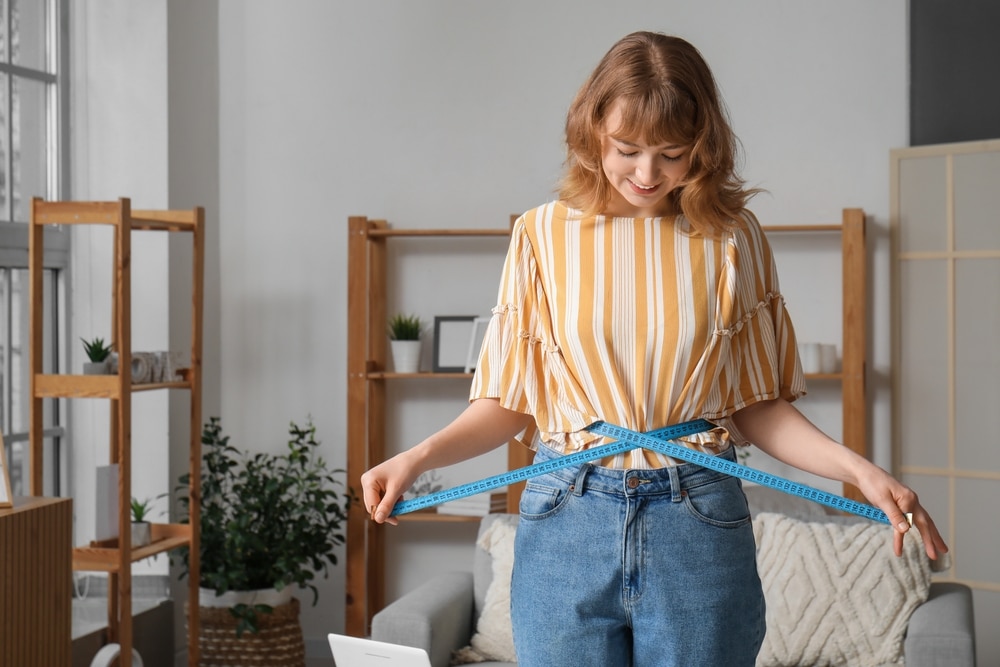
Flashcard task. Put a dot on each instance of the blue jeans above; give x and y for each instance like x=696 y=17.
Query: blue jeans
x=635 y=568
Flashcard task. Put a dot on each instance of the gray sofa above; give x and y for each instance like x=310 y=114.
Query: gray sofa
x=440 y=615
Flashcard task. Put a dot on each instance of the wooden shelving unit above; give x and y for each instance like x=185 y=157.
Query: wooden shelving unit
x=115 y=557
x=366 y=405
x=367 y=378
x=854 y=285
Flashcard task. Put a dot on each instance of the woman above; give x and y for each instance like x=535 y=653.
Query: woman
x=646 y=295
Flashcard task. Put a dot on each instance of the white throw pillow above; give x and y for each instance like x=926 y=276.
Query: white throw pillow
x=836 y=594
x=494 y=637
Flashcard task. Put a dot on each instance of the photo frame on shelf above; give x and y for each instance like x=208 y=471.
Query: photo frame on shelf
x=479 y=326
x=6 y=497
x=451 y=342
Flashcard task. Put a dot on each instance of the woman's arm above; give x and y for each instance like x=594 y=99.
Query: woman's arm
x=482 y=427
x=780 y=430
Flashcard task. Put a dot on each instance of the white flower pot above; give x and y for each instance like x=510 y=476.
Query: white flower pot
x=405 y=355
x=95 y=367
x=141 y=534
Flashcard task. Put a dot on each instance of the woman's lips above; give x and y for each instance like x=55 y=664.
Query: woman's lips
x=640 y=190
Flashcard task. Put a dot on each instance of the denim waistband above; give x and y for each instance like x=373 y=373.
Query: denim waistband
x=588 y=476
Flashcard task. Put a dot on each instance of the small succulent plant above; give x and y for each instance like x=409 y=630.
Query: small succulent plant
x=405 y=327
x=96 y=349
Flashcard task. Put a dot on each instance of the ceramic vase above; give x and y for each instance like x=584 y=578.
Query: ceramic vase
x=405 y=355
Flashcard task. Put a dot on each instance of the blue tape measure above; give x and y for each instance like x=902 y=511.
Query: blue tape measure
x=657 y=441
x=536 y=469
x=649 y=441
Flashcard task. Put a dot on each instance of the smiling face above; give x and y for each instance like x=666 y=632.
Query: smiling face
x=641 y=175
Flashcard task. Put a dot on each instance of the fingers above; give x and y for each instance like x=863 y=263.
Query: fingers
x=901 y=521
x=379 y=508
x=379 y=493
x=934 y=544
x=382 y=513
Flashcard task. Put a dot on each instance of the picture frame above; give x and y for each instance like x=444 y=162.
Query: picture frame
x=6 y=497
x=476 y=337
x=451 y=342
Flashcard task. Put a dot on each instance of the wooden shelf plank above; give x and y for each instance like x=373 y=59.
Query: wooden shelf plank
x=169 y=221
x=802 y=228
x=92 y=386
x=388 y=375
x=825 y=376
x=104 y=557
x=161 y=385
x=76 y=386
x=76 y=213
x=437 y=232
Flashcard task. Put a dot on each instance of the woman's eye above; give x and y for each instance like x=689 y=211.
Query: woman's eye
x=624 y=154
x=672 y=158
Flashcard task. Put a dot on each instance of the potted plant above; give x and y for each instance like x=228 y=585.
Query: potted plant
x=404 y=342
x=97 y=353
x=141 y=527
x=269 y=522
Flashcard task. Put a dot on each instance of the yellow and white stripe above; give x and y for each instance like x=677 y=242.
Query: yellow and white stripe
x=639 y=322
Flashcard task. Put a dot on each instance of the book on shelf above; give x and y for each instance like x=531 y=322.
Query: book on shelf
x=478 y=505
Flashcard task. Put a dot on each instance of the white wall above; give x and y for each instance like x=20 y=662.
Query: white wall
x=449 y=114
x=144 y=86
x=119 y=133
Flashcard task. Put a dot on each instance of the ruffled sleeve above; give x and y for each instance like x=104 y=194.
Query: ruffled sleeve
x=754 y=346
x=520 y=362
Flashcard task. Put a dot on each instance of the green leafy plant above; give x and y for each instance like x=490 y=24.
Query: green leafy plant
x=142 y=508
x=96 y=350
x=405 y=327
x=267 y=520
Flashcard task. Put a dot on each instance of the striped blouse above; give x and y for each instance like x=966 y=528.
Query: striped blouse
x=638 y=322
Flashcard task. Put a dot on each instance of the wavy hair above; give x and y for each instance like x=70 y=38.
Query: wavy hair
x=667 y=95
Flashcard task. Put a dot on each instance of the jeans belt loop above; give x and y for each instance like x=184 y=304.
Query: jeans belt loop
x=676 y=494
x=581 y=478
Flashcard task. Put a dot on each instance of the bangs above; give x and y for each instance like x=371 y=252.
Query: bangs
x=660 y=116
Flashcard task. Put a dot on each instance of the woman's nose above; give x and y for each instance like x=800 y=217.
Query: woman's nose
x=648 y=170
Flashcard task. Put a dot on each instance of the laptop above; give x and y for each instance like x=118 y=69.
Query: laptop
x=355 y=652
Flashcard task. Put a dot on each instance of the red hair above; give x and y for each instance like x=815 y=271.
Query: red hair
x=667 y=94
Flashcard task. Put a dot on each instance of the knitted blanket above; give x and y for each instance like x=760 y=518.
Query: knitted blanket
x=836 y=594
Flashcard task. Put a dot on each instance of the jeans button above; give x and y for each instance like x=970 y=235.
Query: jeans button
x=632 y=482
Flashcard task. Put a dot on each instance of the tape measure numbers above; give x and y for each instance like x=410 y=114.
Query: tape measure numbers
x=536 y=469
x=657 y=441
x=648 y=441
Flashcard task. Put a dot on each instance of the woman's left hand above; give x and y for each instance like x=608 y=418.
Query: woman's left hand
x=897 y=500
x=783 y=432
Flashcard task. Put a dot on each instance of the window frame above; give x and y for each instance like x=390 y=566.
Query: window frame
x=14 y=233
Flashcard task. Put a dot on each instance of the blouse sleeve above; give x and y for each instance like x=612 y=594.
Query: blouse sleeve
x=755 y=340
x=520 y=362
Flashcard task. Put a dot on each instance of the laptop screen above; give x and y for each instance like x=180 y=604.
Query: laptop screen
x=355 y=652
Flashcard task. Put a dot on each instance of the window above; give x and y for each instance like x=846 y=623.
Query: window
x=33 y=163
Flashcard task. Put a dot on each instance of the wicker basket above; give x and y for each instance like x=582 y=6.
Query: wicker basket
x=278 y=644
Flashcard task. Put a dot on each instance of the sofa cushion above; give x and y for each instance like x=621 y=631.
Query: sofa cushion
x=494 y=637
x=836 y=594
x=765 y=499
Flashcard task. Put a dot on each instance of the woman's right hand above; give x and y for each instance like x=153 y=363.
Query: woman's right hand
x=385 y=484
x=482 y=427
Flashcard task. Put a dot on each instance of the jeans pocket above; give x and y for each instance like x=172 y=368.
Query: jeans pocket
x=539 y=500
x=721 y=503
